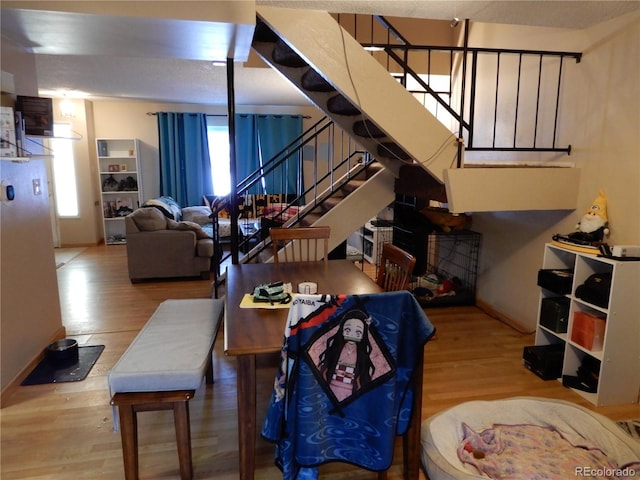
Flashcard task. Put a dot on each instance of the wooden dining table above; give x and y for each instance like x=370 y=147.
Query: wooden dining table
x=249 y=332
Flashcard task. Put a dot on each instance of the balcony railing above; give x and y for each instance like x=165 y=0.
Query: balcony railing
x=494 y=99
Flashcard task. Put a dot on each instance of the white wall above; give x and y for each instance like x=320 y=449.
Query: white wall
x=600 y=119
x=30 y=315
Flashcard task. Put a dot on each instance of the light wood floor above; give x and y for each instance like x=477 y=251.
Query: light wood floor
x=59 y=431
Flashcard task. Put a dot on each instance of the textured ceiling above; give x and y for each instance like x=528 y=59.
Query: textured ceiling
x=117 y=71
x=547 y=13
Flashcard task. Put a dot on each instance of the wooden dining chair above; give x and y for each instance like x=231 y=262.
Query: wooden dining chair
x=395 y=268
x=301 y=244
x=361 y=417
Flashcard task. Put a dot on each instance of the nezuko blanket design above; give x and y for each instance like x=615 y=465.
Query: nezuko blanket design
x=344 y=386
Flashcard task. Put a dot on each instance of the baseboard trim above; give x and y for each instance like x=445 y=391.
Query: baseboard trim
x=8 y=390
x=79 y=245
x=493 y=313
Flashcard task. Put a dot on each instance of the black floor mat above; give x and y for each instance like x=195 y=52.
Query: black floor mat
x=50 y=372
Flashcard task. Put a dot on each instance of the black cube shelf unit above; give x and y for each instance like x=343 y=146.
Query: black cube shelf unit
x=410 y=229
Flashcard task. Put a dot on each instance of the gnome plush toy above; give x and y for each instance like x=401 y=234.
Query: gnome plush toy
x=593 y=226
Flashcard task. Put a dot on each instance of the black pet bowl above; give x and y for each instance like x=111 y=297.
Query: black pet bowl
x=63 y=351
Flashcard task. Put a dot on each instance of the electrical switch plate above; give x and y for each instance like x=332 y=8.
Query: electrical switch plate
x=37 y=189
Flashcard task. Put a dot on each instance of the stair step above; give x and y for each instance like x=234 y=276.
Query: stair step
x=310 y=219
x=361 y=177
x=330 y=202
x=352 y=185
x=341 y=106
x=284 y=55
x=368 y=129
x=264 y=34
x=393 y=151
x=374 y=168
x=314 y=82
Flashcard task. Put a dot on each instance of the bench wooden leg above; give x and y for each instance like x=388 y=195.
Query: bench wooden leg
x=129 y=435
x=183 y=438
x=208 y=375
x=129 y=404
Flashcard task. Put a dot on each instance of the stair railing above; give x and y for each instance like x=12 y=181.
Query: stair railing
x=483 y=125
x=316 y=149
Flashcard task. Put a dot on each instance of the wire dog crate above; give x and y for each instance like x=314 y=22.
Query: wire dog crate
x=451 y=269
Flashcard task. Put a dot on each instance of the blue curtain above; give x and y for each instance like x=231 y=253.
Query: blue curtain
x=258 y=139
x=247 y=156
x=185 y=168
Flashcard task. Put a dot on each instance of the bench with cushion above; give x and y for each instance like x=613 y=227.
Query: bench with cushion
x=162 y=368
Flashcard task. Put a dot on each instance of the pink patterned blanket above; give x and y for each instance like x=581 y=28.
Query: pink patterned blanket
x=280 y=212
x=532 y=452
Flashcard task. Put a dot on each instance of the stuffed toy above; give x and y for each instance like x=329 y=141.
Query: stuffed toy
x=594 y=225
x=592 y=228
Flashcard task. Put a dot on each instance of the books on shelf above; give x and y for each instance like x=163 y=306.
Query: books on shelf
x=8 y=147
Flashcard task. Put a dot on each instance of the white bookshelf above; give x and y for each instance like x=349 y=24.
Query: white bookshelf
x=619 y=376
x=120 y=184
x=369 y=239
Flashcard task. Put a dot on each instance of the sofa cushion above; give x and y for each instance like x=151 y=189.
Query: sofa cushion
x=192 y=226
x=199 y=215
x=149 y=219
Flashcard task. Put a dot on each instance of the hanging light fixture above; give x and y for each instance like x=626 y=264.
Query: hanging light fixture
x=67 y=108
x=455 y=20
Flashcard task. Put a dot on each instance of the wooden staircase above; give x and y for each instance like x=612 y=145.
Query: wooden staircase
x=351 y=204
x=338 y=76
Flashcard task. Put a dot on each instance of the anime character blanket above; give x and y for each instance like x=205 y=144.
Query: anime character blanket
x=344 y=387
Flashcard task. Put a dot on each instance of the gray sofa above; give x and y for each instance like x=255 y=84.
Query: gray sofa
x=160 y=247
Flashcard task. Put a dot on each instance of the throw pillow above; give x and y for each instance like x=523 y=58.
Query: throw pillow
x=194 y=227
x=149 y=219
x=199 y=215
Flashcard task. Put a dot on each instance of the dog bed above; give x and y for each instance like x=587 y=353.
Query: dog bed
x=445 y=437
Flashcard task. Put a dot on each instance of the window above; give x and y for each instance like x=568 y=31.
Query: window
x=64 y=171
x=218 y=137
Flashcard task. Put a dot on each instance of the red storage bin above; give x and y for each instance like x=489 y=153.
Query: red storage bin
x=588 y=330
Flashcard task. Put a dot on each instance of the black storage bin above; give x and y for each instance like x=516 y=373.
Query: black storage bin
x=596 y=289
x=558 y=280
x=554 y=313
x=545 y=360
x=413 y=240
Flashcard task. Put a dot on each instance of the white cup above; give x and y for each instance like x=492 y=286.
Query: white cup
x=308 y=288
